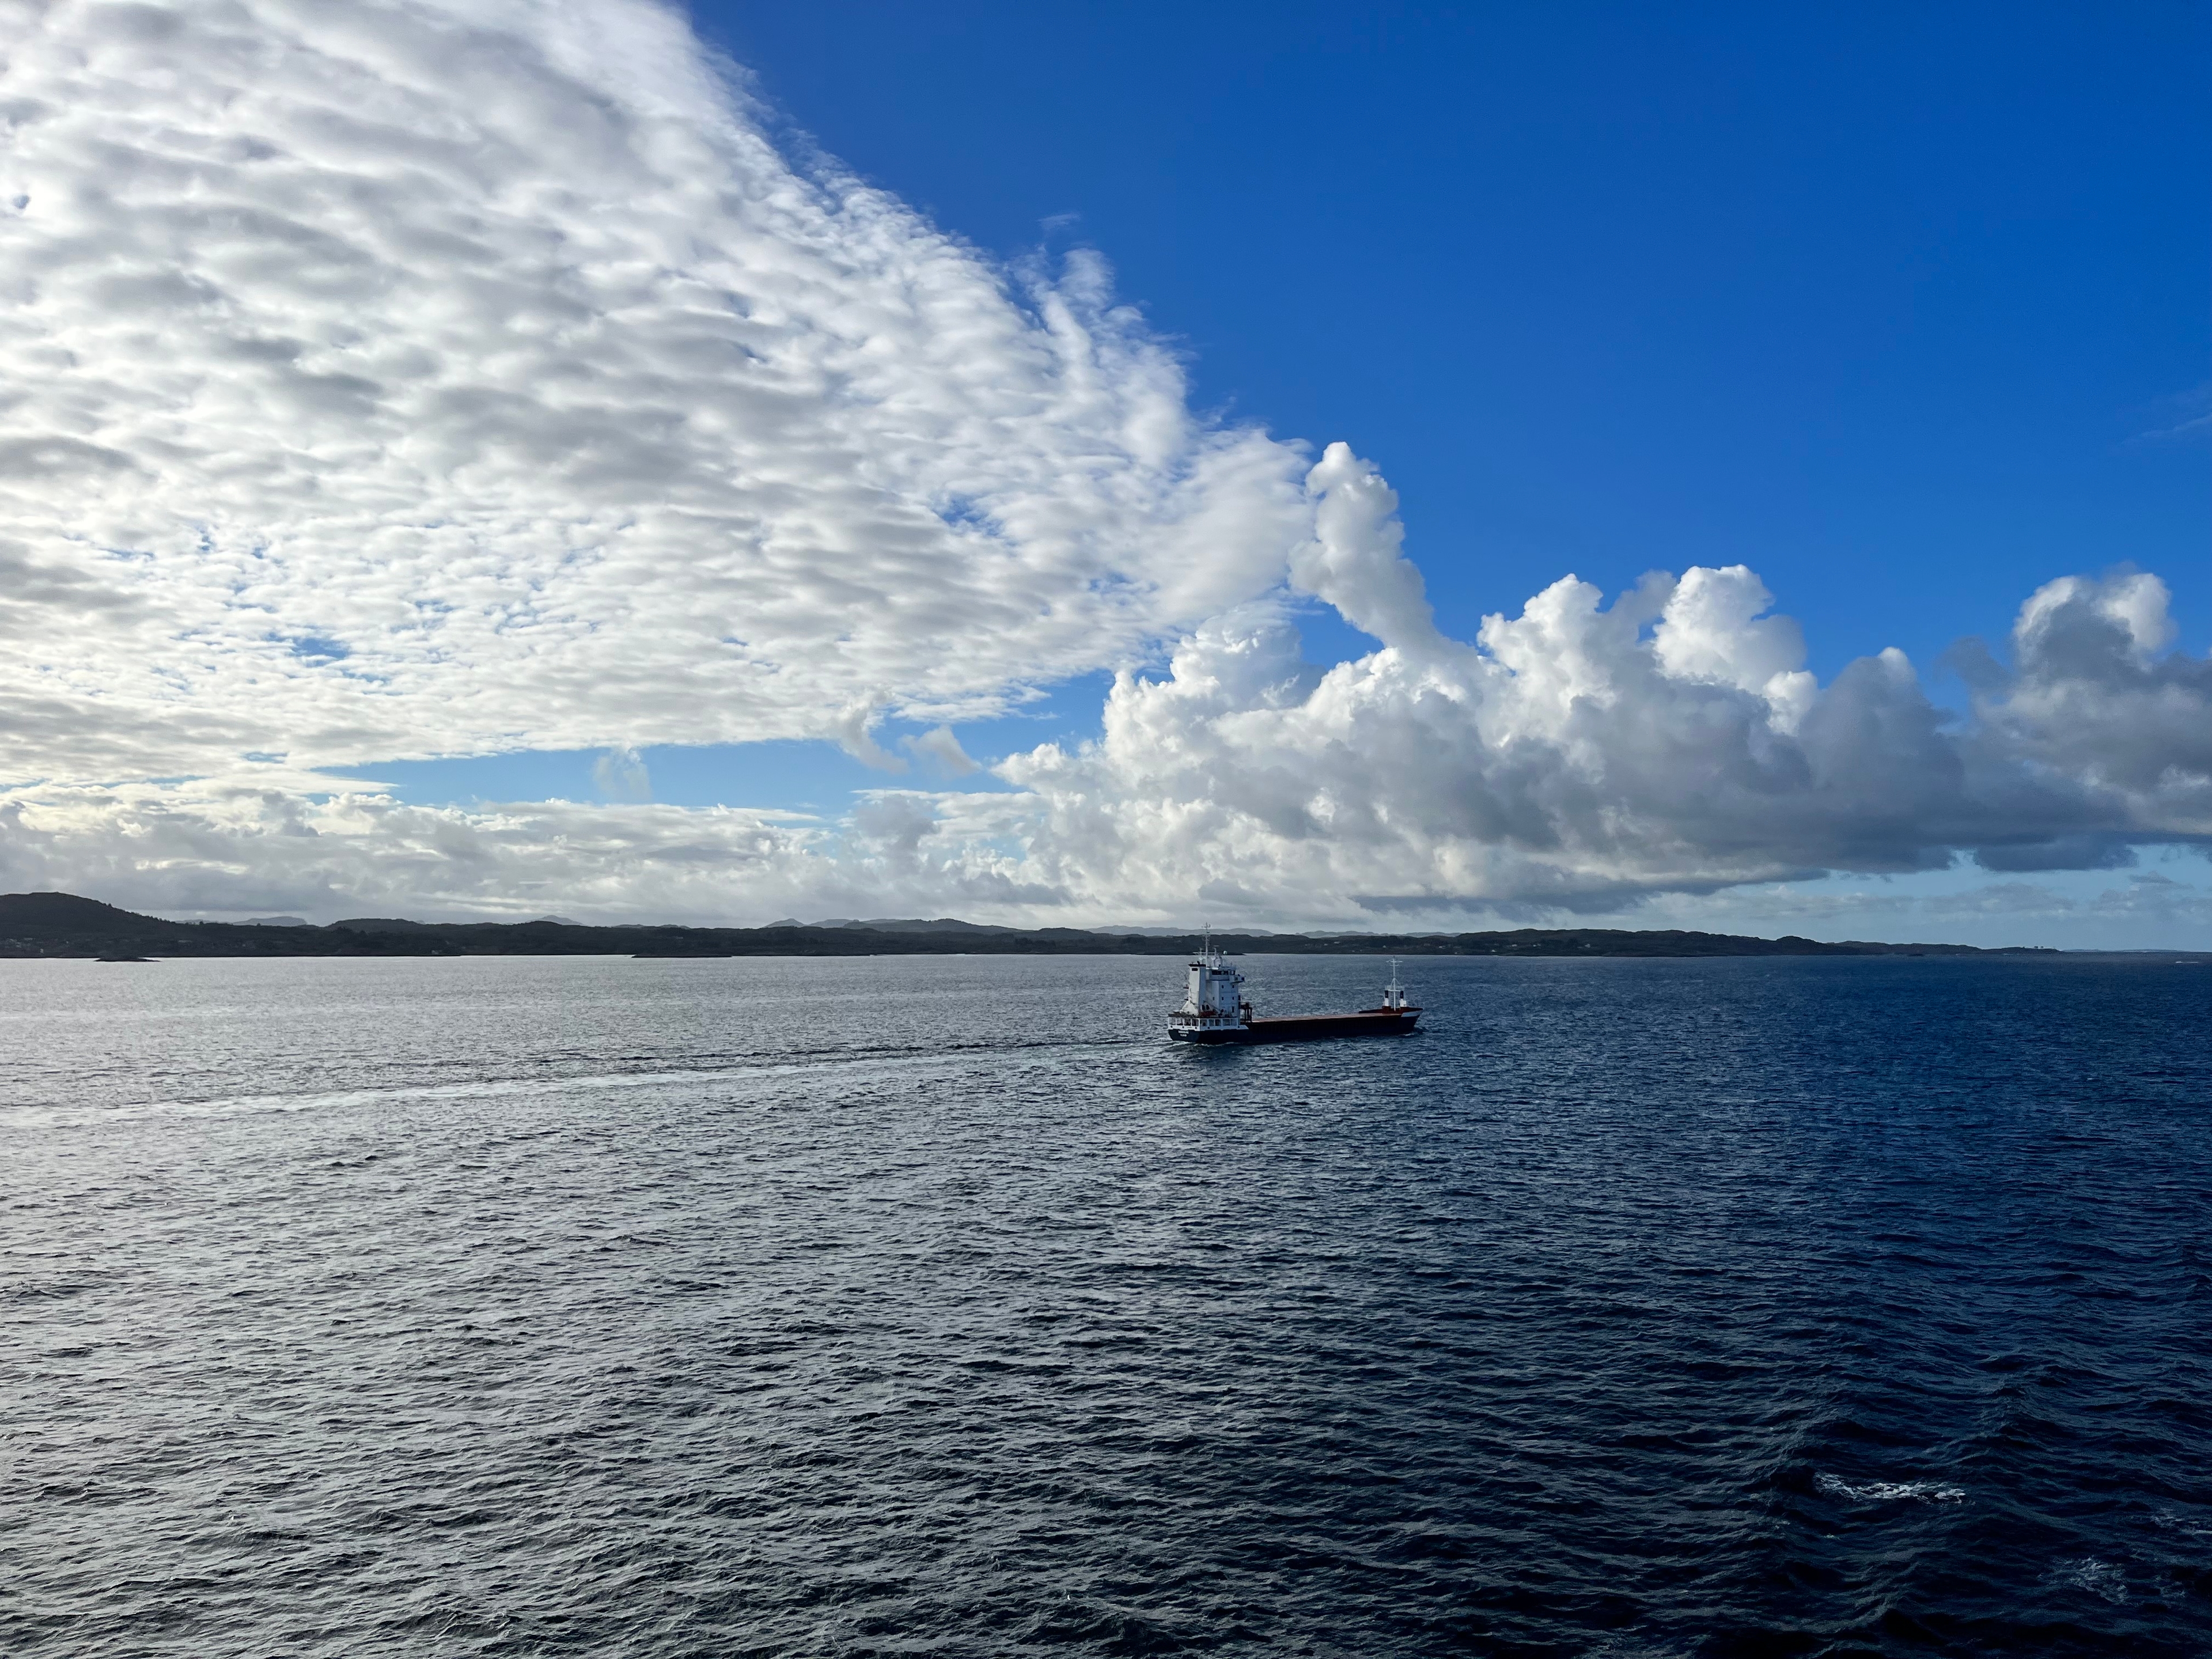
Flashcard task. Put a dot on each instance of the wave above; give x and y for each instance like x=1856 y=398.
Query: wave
x=2101 y=1579
x=1889 y=1491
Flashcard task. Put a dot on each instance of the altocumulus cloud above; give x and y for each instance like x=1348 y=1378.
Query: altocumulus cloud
x=403 y=379
x=393 y=380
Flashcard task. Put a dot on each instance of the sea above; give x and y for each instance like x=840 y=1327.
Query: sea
x=939 y=1305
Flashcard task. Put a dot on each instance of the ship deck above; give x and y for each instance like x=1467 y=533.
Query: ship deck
x=1301 y=1028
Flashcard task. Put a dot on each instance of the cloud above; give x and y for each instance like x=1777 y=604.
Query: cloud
x=492 y=345
x=1582 y=755
x=413 y=378
x=2093 y=694
x=940 y=746
x=223 y=849
x=856 y=737
x=1355 y=560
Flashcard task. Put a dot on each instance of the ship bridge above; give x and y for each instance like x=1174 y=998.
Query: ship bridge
x=1213 y=998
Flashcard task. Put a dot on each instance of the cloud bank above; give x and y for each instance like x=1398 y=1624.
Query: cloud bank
x=407 y=379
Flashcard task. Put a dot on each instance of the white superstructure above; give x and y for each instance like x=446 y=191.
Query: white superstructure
x=1394 y=994
x=1213 y=997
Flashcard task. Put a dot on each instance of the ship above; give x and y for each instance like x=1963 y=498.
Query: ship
x=1214 y=1010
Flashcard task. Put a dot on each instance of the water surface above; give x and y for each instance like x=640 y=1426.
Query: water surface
x=939 y=1306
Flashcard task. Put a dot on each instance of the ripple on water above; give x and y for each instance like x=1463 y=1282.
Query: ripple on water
x=517 y=1307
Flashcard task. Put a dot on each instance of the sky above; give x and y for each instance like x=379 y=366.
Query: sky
x=1900 y=305
x=1382 y=466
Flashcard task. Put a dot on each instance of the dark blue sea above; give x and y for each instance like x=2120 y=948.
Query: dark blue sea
x=939 y=1306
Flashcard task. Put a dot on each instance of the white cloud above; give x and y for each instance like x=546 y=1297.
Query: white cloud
x=412 y=377
x=940 y=744
x=1356 y=559
x=2092 y=694
x=405 y=379
x=227 y=850
x=1580 y=756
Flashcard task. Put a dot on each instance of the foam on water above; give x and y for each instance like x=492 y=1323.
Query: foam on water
x=1889 y=1492
x=832 y=1309
x=62 y=1117
x=2101 y=1579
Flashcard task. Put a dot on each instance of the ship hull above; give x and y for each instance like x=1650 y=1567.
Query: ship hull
x=1307 y=1028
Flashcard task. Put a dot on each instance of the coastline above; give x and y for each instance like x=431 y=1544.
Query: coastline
x=34 y=925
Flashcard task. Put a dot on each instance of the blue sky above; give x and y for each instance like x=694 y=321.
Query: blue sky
x=1892 y=302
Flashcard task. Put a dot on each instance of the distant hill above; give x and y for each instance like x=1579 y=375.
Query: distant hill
x=64 y=925
x=52 y=912
x=942 y=924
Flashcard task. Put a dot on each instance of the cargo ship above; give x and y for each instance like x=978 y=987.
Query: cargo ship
x=1214 y=1010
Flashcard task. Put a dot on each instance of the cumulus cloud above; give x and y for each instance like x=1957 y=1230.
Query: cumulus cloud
x=413 y=378
x=2093 y=694
x=1356 y=560
x=1580 y=755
